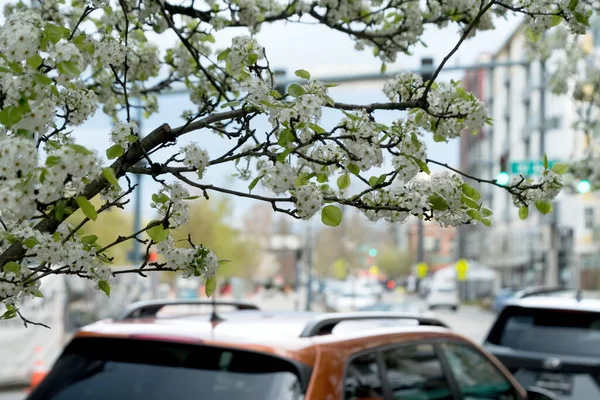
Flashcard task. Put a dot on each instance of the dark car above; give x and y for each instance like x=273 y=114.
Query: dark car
x=551 y=340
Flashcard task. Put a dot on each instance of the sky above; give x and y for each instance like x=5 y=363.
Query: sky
x=323 y=52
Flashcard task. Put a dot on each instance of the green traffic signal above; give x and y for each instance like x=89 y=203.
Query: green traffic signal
x=584 y=186
x=373 y=252
x=503 y=178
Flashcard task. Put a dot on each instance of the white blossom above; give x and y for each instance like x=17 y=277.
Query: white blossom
x=309 y=200
x=196 y=157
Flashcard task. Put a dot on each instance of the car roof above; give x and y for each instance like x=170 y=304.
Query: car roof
x=557 y=301
x=278 y=333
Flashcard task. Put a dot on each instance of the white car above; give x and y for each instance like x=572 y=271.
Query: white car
x=443 y=294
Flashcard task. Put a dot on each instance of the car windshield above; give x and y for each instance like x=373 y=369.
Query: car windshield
x=125 y=369
x=545 y=331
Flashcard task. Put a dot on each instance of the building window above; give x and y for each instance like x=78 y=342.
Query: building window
x=589 y=218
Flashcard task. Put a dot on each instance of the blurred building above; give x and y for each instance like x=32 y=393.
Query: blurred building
x=543 y=249
x=438 y=242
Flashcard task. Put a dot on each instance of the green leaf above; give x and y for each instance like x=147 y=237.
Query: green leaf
x=523 y=212
x=115 y=151
x=318 y=130
x=476 y=215
x=252 y=58
x=296 y=90
x=223 y=262
x=158 y=233
x=105 y=287
x=254 y=182
x=469 y=202
x=343 y=181
x=471 y=192
x=87 y=208
x=285 y=137
x=546 y=161
x=353 y=168
x=54 y=33
x=234 y=103
x=383 y=68
x=556 y=20
x=331 y=215
x=582 y=19
x=486 y=212
x=160 y=198
x=13 y=267
x=302 y=73
x=35 y=61
x=69 y=68
x=373 y=181
x=223 y=55
x=89 y=240
x=544 y=207
x=11 y=115
x=573 y=5
x=322 y=178
x=487 y=222
x=37 y=293
x=422 y=165
x=42 y=79
x=9 y=314
x=438 y=138
x=52 y=161
x=81 y=149
x=560 y=168
x=110 y=176
x=281 y=157
x=210 y=286
x=30 y=242
x=532 y=36
x=438 y=202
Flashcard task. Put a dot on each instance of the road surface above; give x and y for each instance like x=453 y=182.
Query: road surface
x=468 y=320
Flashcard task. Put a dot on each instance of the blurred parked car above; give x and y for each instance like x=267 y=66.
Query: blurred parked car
x=443 y=294
x=551 y=339
x=251 y=354
x=405 y=307
x=501 y=298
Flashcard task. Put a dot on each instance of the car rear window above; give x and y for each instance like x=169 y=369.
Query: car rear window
x=545 y=330
x=126 y=369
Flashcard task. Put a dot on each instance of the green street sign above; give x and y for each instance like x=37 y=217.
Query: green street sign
x=529 y=167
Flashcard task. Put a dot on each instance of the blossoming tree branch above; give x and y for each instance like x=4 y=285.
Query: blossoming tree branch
x=62 y=61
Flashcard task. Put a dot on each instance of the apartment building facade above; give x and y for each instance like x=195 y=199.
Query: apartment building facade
x=550 y=249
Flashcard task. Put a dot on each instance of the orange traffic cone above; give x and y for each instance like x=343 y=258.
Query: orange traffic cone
x=39 y=369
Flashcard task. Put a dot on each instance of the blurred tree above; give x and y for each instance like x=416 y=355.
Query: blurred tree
x=340 y=245
x=209 y=225
x=107 y=227
x=394 y=262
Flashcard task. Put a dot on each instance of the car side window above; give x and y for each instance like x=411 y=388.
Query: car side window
x=363 y=378
x=476 y=375
x=415 y=372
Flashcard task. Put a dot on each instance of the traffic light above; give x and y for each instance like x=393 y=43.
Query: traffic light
x=584 y=186
x=503 y=178
x=427 y=68
x=373 y=252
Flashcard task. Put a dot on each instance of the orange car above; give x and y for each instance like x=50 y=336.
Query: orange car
x=251 y=354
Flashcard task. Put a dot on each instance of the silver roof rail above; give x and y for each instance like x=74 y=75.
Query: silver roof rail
x=324 y=324
x=150 y=308
x=540 y=291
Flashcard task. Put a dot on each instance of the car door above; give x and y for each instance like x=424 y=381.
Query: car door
x=474 y=374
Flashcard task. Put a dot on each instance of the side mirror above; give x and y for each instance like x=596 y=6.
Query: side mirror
x=538 y=393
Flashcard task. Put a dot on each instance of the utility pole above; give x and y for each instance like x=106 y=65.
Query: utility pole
x=551 y=259
x=309 y=267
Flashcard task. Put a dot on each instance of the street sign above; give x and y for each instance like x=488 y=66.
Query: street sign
x=422 y=270
x=529 y=167
x=462 y=267
x=374 y=270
